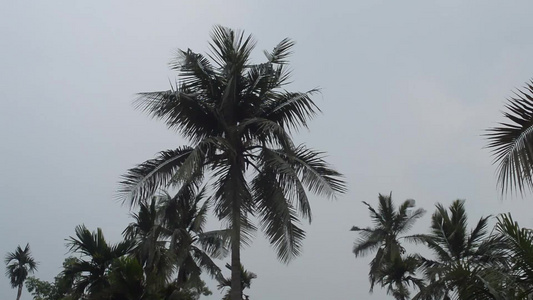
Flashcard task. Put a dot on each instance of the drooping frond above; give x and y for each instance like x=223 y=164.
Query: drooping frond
x=512 y=142
x=205 y=262
x=278 y=217
x=318 y=176
x=275 y=170
x=141 y=182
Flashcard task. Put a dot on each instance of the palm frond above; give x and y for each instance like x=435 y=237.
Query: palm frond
x=186 y=112
x=267 y=132
x=198 y=75
x=230 y=49
x=478 y=233
x=278 y=217
x=315 y=172
x=281 y=52
x=512 y=142
x=520 y=242
x=205 y=262
x=141 y=182
x=276 y=170
x=215 y=242
x=290 y=109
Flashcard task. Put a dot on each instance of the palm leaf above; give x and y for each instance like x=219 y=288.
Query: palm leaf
x=277 y=216
x=290 y=109
x=512 y=142
x=141 y=182
x=189 y=113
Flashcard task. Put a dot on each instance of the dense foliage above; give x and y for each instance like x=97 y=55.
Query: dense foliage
x=466 y=264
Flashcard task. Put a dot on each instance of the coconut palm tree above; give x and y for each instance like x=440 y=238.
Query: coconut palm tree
x=18 y=265
x=92 y=268
x=512 y=142
x=238 y=119
x=384 y=237
x=459 y=254
x=397 y=274
x=170 y=237
x=183 y=217
x=151 y=246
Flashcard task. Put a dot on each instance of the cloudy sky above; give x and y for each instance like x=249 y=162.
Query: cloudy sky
x=408 y=88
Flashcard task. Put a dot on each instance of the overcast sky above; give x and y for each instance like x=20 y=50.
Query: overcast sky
x=408 y=88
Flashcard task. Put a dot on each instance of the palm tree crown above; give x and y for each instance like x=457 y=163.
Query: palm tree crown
x=239 y=120
x=97 y=257
x=458 y=253
x=389 y=224
x=18 y=265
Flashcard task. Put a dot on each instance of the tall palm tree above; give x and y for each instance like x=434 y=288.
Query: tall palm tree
x=384 y=237
x=97 y=256
x=238 y=119
x=512 y=142
x=18 y=265
x=458 y=253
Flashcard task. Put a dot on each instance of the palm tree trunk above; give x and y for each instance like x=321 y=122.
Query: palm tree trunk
x=182 y=277
x=236 y=290
x=19 y=292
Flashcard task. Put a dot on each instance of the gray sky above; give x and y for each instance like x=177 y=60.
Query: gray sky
x=408 y=87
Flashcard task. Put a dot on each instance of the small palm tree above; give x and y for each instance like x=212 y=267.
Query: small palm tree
x=398 y=274
x=512 y=142
x=151 y=245
x=18 y=265
x=459 y=254
x=238 y=118
x=97 y=256
x=384 y=237
x=183 y=218
x=246 y=282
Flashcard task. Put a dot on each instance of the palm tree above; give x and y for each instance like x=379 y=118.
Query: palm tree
x=384 y=237
x=170 y=232
x=150 y=247
x=97 y=256
x=239 y=120
x=183 y=217
x=459 y=254
x=246 y=282
x=512 y=142
x=398 y=274
x=18 y=265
